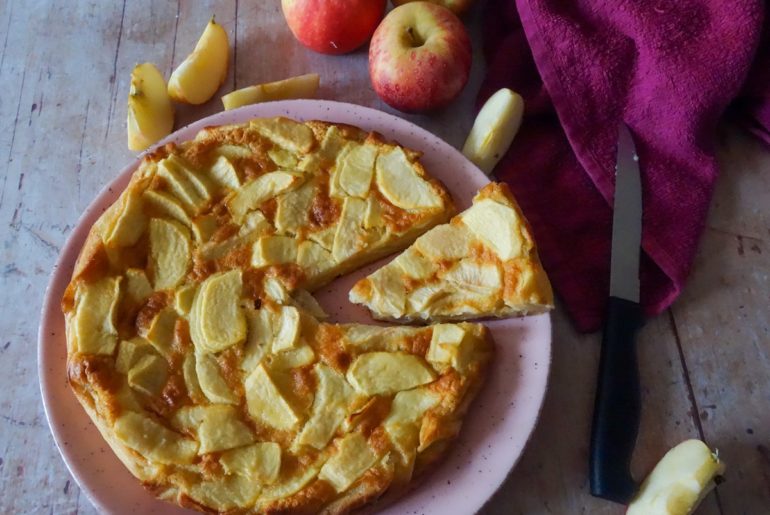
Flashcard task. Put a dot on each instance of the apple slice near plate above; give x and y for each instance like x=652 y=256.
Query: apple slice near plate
x=679 y=482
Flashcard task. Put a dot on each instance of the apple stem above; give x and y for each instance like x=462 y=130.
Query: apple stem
x=416 y=41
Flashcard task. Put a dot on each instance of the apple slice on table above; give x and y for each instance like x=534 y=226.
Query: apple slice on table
x=679 y=482
x=150 y=114
x=202 y=72
x=302 y=86
x=493 y=130
x=419 y=57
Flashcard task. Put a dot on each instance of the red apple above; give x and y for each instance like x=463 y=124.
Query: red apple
x=419 y=57
x=333 y=26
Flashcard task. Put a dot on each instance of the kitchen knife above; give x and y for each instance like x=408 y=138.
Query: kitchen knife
x=617 y=404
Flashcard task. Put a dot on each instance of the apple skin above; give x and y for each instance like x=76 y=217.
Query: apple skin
x=419 y=57
x=456 y=6
x=333 y=26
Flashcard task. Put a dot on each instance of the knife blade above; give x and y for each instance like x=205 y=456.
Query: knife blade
x=617 y=404
x=626 y=220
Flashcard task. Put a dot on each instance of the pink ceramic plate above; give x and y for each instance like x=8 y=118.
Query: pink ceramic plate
x=496 y=429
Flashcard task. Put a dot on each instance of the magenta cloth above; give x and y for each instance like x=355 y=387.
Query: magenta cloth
x=669 y=70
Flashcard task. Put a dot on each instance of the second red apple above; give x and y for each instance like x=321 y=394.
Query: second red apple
x=419 y=57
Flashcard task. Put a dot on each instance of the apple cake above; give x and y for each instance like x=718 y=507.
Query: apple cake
x=194 y=345
x=483 y=263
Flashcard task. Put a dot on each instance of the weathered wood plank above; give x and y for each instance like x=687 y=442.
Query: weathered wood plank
x=740 y=205
x=723 y=321
x=49 y=79
x=10 y=64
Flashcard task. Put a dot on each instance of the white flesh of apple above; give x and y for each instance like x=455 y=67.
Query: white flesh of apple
x=202 y=72
x=679 y=481
x=493 y=130
x=150 y=116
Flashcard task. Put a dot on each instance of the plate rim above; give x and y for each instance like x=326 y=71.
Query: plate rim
x=115 y=186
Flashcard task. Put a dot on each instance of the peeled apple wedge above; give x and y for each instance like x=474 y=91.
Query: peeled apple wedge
x=202 y=72
x=493 y=130
x=679 y=482
x=302 y=86
x=150 y=114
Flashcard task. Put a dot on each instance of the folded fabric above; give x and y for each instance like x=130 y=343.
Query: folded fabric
x=752 y=108
x=669 y=70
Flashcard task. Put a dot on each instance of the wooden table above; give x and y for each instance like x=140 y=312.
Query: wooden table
x=64 y=73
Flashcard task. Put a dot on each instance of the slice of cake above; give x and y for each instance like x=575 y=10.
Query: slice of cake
x=483 y=263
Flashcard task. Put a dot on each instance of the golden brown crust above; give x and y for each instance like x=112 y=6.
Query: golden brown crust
x=305 y=502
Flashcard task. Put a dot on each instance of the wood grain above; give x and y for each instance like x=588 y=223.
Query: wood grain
x=64 y=73
x=723 y=322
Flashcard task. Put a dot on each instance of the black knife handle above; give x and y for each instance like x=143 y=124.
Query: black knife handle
x=617 y=405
